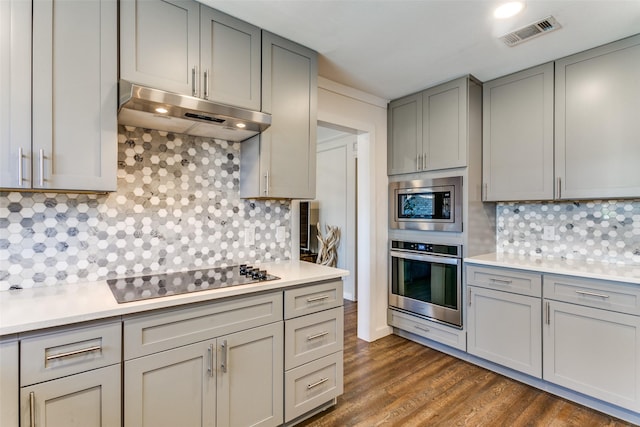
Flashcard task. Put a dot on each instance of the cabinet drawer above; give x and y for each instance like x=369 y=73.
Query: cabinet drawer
x=311 y=385
x=69 y=351
x=311 y=299
x=447 y=335
x=615 y=296
x=504 y=279
x=151 y=333
x=313 y=336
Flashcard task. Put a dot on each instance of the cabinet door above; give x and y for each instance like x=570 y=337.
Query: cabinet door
x=15 y=87
x=505 y=328
x=171 y=388
x=88 y=399
x=9 y=388
x=517 y=161
x=444 y=125
x=160 y=44
x=405 y=135
x=230 y=59
x=287 y=149
x=250 y=377
x=593 y=351
x=597 y=126
x=75 y=95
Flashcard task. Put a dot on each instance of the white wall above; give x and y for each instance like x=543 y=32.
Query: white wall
x=353 y=109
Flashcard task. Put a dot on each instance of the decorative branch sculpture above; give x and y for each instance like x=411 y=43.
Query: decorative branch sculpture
x=328 y=246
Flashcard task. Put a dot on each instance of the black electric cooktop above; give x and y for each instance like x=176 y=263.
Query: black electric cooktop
x=161 y=285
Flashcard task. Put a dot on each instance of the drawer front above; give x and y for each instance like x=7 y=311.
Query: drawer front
x=447 y=335
x=309 y=386
x=312 y=337
x=614 y=296
x=504 y=279
x=151 y=333
x=311 y=299
x=69 y=351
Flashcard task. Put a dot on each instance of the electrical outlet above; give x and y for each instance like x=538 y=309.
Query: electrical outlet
x=548 y=232
x=280 y=234
x=249 y=236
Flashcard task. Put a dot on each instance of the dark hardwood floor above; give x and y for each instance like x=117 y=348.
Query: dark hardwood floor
x=396 y=382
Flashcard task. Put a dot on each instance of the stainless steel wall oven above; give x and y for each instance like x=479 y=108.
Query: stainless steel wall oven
x=425 y=279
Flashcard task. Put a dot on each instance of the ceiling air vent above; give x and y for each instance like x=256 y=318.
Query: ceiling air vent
x=530 y=31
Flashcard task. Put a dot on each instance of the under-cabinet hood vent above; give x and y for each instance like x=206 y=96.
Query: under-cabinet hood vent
x=528 y=32
x=149 y=108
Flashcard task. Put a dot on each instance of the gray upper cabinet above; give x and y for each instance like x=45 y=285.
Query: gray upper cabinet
x=71 y=104
x=597 y=122
x=281 y=162
x=429 y=130
x=517 y=128
x=184 y=47
x=405 y=134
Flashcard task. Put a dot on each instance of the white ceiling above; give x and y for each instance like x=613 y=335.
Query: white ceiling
x=391 y=48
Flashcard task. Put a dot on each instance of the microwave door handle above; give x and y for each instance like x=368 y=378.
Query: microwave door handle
x=426 y=258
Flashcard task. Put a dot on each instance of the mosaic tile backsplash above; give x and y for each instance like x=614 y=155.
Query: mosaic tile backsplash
x=606 y=231
x=177 y=207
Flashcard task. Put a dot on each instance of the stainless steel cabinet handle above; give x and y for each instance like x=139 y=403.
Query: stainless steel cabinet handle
x=592 y=294
x=559 y=188
x=548 y=313
x=210 y=360
x=20 y=172
x=193 y=81
x=320 y=298
x=418 y=156
x=420 y=328
x=469 y=295
x=424 y=162
x=224 y=350
x=317 y=383
x=41 y=163
x=74 y=353
x=501 y=281
x=266 y=183
x=32 y=409
x=316 y=336
x=206 y=84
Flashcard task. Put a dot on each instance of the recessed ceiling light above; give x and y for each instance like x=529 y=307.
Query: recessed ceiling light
x=507 y=10
x=161 y=110
x=241 y=125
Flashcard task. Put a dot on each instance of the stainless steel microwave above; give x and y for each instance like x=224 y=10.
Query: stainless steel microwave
x=426 y=204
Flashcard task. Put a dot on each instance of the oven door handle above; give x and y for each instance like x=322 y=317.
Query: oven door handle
x=426 y=258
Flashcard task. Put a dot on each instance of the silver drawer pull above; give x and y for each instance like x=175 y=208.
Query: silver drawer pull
x=592 y=294
x=318 y=335
x=32 y=409
x=420 y=328
x=74 y=353
x=320 y=298
x=501 y=281
x=317 y=383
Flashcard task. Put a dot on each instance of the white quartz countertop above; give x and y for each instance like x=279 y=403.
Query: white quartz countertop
x=592 y=270
x=45 y=307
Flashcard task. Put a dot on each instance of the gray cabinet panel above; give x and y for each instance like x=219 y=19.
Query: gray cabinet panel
x=89 y=399
x=597 y=126
x=287 y=150
x=15 y=87
x=9 y=387
x=405 y=135
x=518 y=136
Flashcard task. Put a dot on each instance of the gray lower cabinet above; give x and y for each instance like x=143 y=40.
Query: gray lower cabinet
x=517 y=148
x=281 y=162
x=217 y=363
x=9 y=381
x=71 y=376
x=313 y=348
x=597 y=97
x=58 y=126
x=185 y=47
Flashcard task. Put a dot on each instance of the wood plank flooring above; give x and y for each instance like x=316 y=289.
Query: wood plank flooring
x=396 y=382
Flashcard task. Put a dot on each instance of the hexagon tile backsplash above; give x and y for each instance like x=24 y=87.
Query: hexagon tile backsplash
x=177 y=207
x=606 y=231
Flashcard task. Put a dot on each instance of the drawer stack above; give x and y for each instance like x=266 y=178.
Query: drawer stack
x=314 y=325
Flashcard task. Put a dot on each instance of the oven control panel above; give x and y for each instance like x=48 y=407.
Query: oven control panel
x=428 y=248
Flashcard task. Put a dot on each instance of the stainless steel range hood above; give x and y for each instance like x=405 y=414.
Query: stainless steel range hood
x=156 y=109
